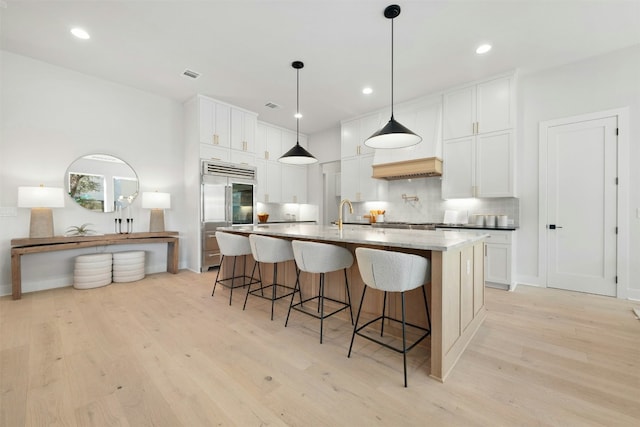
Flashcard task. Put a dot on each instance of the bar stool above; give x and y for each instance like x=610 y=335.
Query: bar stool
x=392 y=272
x=322 y=258
x=234 y=245
x=270 y=250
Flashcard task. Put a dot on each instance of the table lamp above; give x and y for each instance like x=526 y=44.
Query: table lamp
x=157 y=202
x=40 y=200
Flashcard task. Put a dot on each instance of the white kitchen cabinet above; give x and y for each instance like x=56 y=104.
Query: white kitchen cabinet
x=356 y=182
x=268 y=142
x=499 y=259
x=214 y=122
x=294 y=183
x=242 y=158
x=499 y=256
x=355 y=132
x=479 y=166
x=269 y=181
x=243 y=130
x=214 y=152
x=484 y=107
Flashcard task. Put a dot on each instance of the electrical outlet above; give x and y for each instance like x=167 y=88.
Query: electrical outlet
x=8 y=211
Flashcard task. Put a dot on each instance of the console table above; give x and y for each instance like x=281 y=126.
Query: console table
x=26 y=246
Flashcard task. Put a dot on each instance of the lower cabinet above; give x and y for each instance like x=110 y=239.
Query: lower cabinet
x=499 y=258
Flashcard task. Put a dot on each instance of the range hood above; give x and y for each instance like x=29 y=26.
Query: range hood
x=415 y=168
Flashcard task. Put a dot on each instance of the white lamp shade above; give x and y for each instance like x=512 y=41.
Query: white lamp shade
x=40 y=197
x=155 y=200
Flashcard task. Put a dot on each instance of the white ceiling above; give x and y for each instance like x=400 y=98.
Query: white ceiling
x=244 y=48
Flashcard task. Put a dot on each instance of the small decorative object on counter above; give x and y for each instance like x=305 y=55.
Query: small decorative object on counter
x=80 y=230
x=263 y=217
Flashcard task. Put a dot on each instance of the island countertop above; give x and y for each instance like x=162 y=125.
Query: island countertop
x=438 y=240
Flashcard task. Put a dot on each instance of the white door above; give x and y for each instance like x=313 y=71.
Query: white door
x=581 y=209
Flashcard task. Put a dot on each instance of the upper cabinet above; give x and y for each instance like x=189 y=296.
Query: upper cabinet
x=215 y=122
x=243 y=130
x=479 y=140
x=356 y=131
x=480 y=108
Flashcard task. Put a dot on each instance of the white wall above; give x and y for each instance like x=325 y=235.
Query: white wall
x=602 y=83
x=325 y=146
x=50 y=117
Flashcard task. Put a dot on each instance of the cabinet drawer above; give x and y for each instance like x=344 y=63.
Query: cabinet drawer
x=499 y=237
x=210 y=258
x=210 y=242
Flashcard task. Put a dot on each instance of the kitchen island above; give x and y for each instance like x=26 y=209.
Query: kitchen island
x=456 y=291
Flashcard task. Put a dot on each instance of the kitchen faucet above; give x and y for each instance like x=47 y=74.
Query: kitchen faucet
x=347 y=201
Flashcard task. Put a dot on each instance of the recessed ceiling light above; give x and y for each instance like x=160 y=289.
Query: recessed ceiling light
x=483 y=48
x=297 y=115
x=80 y=33
x=367 y=91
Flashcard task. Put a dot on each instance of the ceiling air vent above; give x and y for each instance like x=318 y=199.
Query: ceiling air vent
x=272 y=105
x=191 y=73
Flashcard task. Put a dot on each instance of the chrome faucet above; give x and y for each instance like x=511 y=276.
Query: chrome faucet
x=340 y=209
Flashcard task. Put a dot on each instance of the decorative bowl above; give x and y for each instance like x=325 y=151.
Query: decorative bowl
x=263 y=217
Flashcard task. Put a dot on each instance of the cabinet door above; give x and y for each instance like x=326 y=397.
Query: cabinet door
x=350 y=137
x=349 y=178
x=498 y=263
x=273 y=190
x=242 y=158
x=274 y=144
x=288 y=141
x=261 y=142
x=294 y=183
x=243 y=131
x=459 y=112
x=371 y=189
x=495 y=107
x=458 y=168
x=494 y=165
x=214 y=152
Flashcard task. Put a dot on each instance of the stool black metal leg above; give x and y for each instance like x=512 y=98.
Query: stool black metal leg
x=233 y=277
x=249 y=288
x=404 y=343
x=355 y=327
x=321 y=305
x=346 y=285
x=384 y=307
x=273 y=287
x=293 y=294
x=424 y=294
x=217 y=276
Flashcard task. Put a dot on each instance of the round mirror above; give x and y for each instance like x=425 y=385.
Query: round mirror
x=101 y=183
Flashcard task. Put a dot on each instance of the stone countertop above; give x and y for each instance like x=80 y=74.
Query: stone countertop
x=441 y=240
x=477 y=227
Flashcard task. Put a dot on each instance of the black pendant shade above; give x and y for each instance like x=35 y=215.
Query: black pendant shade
x=393 y=134
x=297 y=155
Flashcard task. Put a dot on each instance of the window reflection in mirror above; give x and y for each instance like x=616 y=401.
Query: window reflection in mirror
x=101 y=183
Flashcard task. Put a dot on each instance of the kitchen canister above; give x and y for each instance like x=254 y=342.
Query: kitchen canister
x=491 y=221
x=478 y=219
x=502 y=220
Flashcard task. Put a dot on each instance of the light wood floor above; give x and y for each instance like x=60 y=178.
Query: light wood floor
x=162 y=352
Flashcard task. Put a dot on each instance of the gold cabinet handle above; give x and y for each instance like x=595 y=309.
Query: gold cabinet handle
x=266 y=155
x=216 y=139
x=477 y=128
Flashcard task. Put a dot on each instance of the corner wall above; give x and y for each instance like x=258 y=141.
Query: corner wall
x=50 y=117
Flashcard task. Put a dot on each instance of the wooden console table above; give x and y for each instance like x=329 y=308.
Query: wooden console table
x=25 y=246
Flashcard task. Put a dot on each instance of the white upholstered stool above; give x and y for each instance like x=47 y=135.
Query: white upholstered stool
x=92 y=271
x=128 y=266
x=234 y=245
x=392 y=272
x=270 y=250
x=313 y=257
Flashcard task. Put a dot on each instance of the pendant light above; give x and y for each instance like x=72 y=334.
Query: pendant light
x=393 y=134
x=297 y=155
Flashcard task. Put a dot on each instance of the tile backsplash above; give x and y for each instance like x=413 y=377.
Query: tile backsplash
x=429 y=206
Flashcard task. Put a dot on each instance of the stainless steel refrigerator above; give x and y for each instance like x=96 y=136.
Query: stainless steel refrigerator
x=228 y=198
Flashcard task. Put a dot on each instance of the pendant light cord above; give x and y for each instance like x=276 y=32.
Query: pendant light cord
x=392 y=69
x=297 y=106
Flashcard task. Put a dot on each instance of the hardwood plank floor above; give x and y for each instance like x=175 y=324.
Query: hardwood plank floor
x=163 y=352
